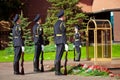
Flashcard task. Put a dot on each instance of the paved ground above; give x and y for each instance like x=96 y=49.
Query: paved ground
x=6 y=73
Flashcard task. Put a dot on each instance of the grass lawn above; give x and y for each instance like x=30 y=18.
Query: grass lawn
x=7 y=55
x=29 y=57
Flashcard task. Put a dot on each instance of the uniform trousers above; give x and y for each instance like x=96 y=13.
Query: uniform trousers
x=59 y=54
x=78 y=56
x=37 y=53
x=17 y=55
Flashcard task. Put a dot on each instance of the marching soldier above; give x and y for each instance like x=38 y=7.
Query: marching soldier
x=60 y=41
x=38 y=41
x=77 y=44
x=18 y=43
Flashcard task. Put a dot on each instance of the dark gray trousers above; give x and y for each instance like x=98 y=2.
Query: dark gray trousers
x=59 y=53
x=17 y=55
x=36 y=56
x=78 y=54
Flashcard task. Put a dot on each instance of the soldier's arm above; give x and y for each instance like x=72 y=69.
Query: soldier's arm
x=18 y=30
x=41 y=31
x=63 y=27
x=34 y=30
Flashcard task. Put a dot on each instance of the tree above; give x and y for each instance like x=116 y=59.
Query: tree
x=26 y=31
x=73 y=15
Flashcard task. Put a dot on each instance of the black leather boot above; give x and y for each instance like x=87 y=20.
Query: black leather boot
x=16 y=68
x=36 y=66
x=57 y=69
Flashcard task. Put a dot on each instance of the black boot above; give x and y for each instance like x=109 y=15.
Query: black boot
x=36 y=66
x=16 y=68
x=57 y=69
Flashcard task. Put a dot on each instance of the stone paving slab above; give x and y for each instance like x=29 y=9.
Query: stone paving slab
x=6 y=73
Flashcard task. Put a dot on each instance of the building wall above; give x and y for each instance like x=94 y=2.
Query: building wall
x=31 y=8
x=86 y=5
x=116 y=29
x=100 y=5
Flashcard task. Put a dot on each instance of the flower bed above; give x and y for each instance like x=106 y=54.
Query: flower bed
x=93 y=70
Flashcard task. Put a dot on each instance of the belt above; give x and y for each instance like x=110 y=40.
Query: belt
x=36 y=35
x=58 y=34
x=76 y=39
x=16 y=37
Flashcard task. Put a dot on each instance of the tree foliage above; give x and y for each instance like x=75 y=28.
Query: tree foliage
x=26 y=31
x=73 y=15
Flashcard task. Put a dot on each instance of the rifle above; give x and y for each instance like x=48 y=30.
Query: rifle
x=65 y=65
x=42 y=67
x=74 y=53
x=22 y=63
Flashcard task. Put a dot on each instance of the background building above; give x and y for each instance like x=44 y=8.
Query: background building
x=104 y=9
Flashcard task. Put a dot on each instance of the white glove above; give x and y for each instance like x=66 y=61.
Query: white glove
x=73 y=46
x=80 y=46
x=42 y=46
x=55 y=46
x=23 y=48
x=66 y=47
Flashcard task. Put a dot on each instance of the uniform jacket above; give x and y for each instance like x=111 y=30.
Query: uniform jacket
x=77 y=39
x=59 y=32
x=37 y=34
x=17 y=36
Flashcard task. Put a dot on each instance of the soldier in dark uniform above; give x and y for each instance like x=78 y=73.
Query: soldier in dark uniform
x=77 y=44
x=60 y=41
x=18 y=43
x=38 y=41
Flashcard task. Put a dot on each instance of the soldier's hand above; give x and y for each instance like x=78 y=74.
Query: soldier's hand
x=66 y=47
x=73 y=46
x=23 y=48
x=55 y=46
x=80 y=46
x=42 y=46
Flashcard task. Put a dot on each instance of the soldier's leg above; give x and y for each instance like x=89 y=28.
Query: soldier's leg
x=17 y=54
x=59 y=53
x=78 y=56
x=39 y=49
x=36 y=58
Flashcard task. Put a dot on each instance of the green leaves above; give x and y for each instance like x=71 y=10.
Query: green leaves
x=79 y=70
x=26 y=32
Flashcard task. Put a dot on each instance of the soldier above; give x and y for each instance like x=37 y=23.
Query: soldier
x=18 y=43
x=60 y=41
x=77 y=44
x=38 y=41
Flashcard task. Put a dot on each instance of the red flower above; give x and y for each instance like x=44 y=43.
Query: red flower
x=85 y=66
x=111 y=75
